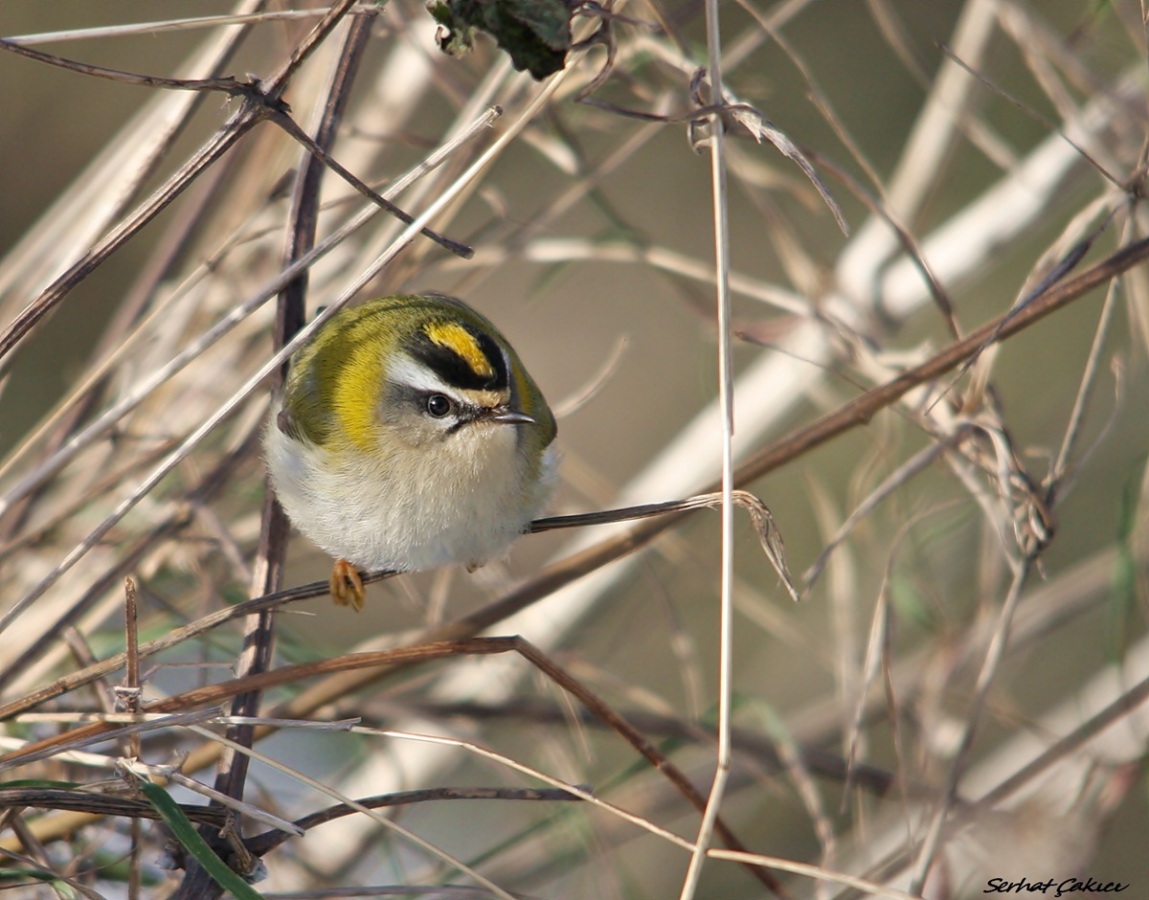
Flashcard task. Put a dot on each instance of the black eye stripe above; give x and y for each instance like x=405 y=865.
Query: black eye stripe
x=457 y=371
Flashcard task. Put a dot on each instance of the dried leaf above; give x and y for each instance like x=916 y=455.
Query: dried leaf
x=762 y=129
x=536 y=33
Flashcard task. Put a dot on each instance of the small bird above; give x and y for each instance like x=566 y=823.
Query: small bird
x=410 y=436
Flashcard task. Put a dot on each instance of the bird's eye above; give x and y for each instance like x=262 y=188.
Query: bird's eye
x=439 y=405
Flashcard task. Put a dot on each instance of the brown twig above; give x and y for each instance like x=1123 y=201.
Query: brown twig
x=267 y=577
x=261 y=100
x=128 y=696
x=213 y=694
x=111 y=805
x=772 y=457
x=209 y=487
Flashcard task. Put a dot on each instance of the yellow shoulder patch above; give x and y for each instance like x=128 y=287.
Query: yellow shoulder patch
x=457 y=339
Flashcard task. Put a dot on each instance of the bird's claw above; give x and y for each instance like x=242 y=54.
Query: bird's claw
x=346 y=585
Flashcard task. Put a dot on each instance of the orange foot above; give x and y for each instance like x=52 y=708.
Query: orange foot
x=346 y=585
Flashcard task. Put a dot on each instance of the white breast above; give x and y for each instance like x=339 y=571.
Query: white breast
x=464 y=502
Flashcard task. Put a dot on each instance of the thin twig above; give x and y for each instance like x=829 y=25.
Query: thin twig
x=259 y=629
x=857 y=412
x=994 y=655
x=160 y=26
x=710 y=815
x=1032 y=113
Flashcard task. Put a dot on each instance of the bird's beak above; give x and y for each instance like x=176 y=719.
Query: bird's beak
x=506 y=416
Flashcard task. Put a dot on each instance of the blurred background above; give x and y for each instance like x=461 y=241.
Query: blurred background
x=971 y=561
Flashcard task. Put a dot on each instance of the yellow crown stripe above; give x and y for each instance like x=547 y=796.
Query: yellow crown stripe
x=459 y=340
